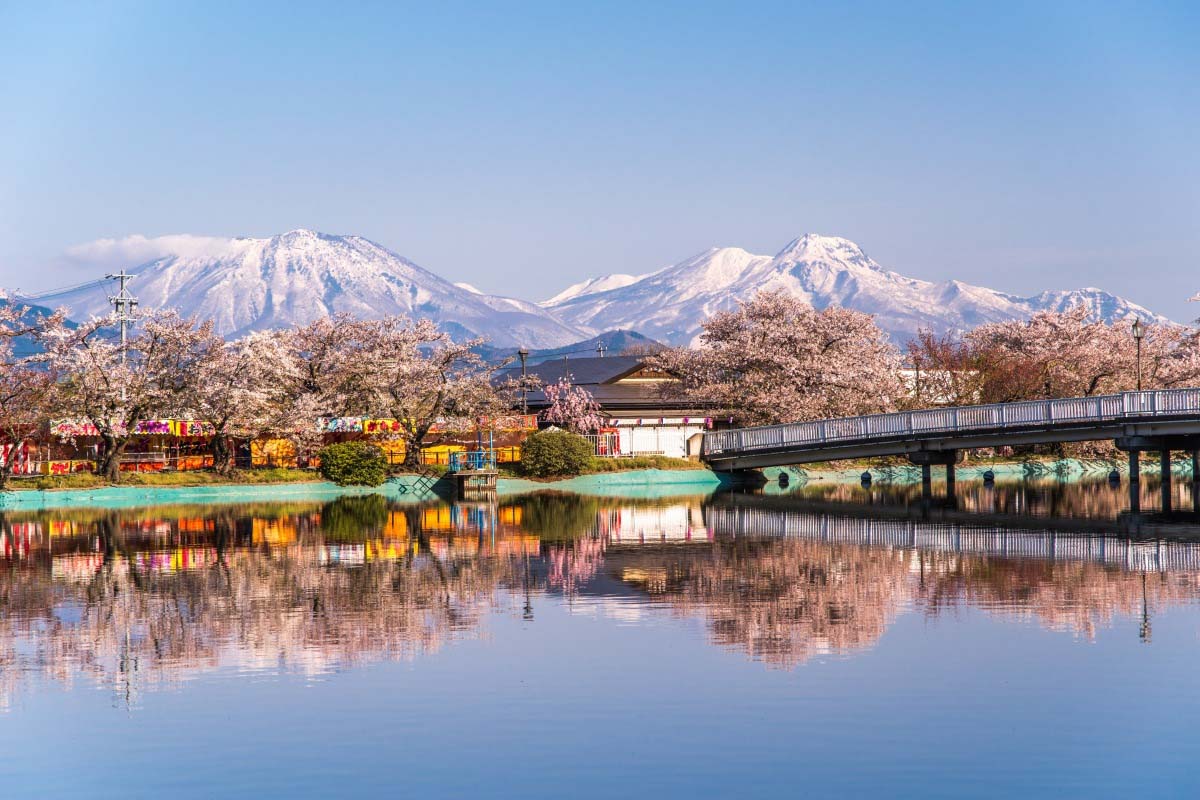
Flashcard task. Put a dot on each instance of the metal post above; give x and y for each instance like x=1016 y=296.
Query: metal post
x=1138 y=330
x=926 y=482
x=1135 y=482
x=1164 y=466
x=1139 y=363
x=524 y=354
x=950 y=480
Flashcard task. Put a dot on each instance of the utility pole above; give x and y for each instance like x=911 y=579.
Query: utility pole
x=124 y=304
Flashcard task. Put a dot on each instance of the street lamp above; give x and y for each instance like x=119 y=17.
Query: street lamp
x=1139 y=332
x=524 y=354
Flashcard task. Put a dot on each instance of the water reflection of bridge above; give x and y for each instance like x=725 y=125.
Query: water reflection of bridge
x=1099 y=542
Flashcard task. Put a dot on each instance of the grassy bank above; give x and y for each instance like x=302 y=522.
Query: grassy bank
x=601 y=466
x=87 y=480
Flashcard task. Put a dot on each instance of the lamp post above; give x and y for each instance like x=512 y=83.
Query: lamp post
x=1139 y=332
x=524 y=354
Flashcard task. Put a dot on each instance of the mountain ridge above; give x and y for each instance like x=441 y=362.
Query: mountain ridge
x=669 y=305
x=247 y=284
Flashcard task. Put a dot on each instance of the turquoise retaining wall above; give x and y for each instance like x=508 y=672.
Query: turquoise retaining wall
x=1063 y=469
x=635 y=483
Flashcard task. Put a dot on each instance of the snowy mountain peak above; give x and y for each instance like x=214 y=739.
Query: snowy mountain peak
x=592 y=286
x=254 y=283
x=670 y=305
x=814 y=247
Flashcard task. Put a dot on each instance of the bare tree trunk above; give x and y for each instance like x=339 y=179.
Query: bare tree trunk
x=222 y=453
x=412 y=450
x=110 y=459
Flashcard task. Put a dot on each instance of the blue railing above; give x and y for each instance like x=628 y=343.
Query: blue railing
x=472 y=460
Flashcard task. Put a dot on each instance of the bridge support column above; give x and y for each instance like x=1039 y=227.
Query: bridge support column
x=927 y=458
x=1163 y=445
x=1135 y=482
x=1164 y=468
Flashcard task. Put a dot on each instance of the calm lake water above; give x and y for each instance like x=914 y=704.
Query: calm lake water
x=833 y=641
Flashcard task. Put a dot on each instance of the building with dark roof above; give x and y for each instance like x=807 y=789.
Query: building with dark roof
x=643 y=417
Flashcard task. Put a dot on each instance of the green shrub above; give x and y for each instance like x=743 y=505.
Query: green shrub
x=550 y=453
x=353 y=464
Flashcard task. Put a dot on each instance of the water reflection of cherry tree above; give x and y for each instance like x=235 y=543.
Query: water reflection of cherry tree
x=125 y=619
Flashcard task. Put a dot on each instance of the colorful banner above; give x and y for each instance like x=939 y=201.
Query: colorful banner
x=152 y=427
x=192 y=427
x=70 y=428
x=340 y=424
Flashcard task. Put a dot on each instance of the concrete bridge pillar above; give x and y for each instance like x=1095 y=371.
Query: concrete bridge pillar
x=1163 y=445
x=1164 y=467
x=1135 y=482
x=927 y=458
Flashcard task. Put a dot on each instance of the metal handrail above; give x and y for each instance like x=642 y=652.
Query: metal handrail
x=472 y=460
x=958 y=419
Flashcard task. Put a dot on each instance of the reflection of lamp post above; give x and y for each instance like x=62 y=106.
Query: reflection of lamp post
x=1144 y=632
x=1139 y=331
x=528 y=610
x=601 y=347
x=524 y=354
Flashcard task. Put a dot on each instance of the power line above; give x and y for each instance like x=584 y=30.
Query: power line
x=47 y=292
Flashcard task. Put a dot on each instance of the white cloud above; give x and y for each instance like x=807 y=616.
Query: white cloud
x=134 y=250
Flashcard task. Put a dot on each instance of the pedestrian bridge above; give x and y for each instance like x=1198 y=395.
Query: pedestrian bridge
x=1138 y=421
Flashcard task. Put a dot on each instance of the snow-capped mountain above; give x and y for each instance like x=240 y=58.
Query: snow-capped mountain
x=670 y=305
x=247 y=284
x=591 y=286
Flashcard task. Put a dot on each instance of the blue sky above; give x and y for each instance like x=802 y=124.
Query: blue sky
x=521 y=147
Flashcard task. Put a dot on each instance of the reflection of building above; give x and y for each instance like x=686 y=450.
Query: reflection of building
x=650 y=524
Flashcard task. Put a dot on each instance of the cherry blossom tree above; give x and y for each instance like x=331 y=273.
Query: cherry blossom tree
x=26 y=386
x=415 y=373
x=313 y=374
x=776 y=359
x=115 y=386
x=1052 y=354
x=241 y=389
x=1070 y=354
x=572 y=407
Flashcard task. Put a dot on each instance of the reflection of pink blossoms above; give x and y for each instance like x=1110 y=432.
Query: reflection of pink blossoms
x=574 y=564
x=572 y=407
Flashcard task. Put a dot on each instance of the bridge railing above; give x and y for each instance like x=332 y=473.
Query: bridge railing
x=960 y=419
x=1156 y=555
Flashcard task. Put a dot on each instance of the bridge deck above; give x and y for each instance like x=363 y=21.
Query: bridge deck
x=1168 y=412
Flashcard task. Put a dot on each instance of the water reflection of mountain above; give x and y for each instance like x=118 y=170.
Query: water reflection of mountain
x=136 y=598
